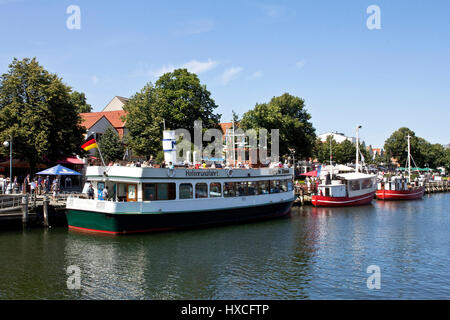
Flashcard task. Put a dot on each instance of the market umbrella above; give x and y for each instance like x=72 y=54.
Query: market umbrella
x=59 y=170
x=310 y=173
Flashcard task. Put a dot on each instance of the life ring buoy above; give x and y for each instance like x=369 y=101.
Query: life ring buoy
x=171 y=172
x=230 y=172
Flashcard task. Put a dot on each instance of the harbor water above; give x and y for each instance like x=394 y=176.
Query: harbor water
x=316 y=253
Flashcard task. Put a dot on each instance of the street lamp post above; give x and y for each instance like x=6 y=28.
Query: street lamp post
x=6 y=144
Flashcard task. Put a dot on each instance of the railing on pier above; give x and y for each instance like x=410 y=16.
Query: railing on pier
x=437 y=186
x=10 y=202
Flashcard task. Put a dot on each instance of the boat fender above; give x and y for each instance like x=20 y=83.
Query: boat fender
x=171 y=172
x=230 y=172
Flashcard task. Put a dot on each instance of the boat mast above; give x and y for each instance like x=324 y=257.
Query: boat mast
x=357 y=148
x=409 y=158
x=331 y=155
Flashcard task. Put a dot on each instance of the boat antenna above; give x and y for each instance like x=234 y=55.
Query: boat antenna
x=357 y=148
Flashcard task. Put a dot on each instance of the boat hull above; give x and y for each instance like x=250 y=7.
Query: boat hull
x=128 y=223
x=413 y=194
x=322 y=201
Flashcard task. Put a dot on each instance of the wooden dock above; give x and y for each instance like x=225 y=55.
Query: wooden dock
x=437 y=186
x=19 y=209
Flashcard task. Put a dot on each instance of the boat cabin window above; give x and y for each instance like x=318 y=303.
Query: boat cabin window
x=186 y=191
x=158 y=191
x=229 y=189
x=275 y=186
x=131 y=192
x=284 y=185
x=215 y=189
x=366 y=184
x=354 y=185
x=241 y=189
x=290 y=185
x=201 y=190
x=252 y=188
x=121 y=192
x=263 y=187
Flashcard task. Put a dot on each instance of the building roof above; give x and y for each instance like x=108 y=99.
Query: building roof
x=91 y=118
x=226 y=125
x=122 y=99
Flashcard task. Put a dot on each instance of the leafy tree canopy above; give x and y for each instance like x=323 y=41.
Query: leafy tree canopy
x=36 y=109
x=78 y=99
x=177 y=99
x=288 y=114
x=110 y=145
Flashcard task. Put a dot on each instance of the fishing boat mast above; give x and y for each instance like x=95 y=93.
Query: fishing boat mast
x=357 y=148
x=409 y=158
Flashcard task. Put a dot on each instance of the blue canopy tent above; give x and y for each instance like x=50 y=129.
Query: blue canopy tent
x=59 y=170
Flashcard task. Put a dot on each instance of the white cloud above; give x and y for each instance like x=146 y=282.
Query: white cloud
x=199 y=66
x=256 y=75
x=300 y=64
x=95 y=79
x=230 y=74
x=193 y=66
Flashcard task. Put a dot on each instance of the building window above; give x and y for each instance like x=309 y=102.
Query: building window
x=158 y=191
x=229 y=189
x=186 y=191
x=215 y=189
x=201 y=190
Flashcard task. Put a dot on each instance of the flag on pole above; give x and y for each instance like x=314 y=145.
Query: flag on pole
x=90 y=143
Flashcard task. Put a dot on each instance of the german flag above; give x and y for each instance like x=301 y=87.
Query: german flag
x=90 y=143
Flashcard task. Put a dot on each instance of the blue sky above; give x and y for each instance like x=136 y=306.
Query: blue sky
x=246 y=52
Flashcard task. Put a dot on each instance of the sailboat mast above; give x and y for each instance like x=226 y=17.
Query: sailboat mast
x=357 y=148
x=409 y=157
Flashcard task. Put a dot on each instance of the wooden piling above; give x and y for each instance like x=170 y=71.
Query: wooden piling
x=45 y=210
x=25 y=209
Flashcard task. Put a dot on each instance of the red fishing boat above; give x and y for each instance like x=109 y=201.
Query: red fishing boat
x=399 y=187
x=345 y=189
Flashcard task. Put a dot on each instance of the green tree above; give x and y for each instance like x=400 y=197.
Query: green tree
x=177 y=100
x=288 y=114
x=110 y=145
x=397 y=146
x=346 y=152
x=78 y=99
x=36 y=109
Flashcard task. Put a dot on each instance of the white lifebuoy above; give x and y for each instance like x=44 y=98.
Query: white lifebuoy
x=171 y=172
x=230 y=172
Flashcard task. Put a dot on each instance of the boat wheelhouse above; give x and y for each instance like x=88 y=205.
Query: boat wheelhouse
x=154 y=199
x=346 y=189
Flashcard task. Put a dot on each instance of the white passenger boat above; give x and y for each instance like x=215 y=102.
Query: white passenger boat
x=154 y=199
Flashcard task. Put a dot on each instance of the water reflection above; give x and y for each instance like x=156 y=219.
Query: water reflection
x=316 y=253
